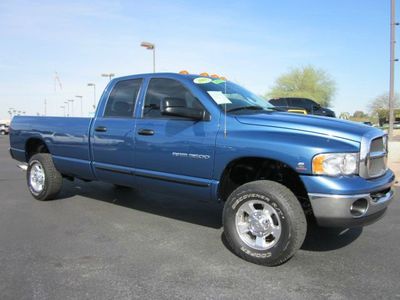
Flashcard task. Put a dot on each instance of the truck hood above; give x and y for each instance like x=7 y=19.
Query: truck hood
x=321 y=125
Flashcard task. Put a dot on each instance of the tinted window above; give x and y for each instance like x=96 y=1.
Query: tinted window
x=295 y=102
x=121 y=102
x=160 y=88
x=278 y=102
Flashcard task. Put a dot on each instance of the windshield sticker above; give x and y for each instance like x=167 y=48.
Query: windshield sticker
x=202 y=80
x=218 y=81
x=219 y=97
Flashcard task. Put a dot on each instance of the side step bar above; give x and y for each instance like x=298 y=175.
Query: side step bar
x=23 y=167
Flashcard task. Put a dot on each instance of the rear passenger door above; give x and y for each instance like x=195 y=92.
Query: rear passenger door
x=113 y=142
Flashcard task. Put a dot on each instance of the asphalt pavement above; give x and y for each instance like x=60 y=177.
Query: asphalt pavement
x=98 y=242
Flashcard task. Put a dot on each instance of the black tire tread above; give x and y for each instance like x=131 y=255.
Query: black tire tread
x=54 y=178
x=295 y=212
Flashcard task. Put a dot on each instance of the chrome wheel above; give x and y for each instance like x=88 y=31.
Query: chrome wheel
x=36 y=177
x=258 y=224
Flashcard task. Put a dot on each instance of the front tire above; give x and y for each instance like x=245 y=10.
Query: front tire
x=264 y=222
x=44 y=181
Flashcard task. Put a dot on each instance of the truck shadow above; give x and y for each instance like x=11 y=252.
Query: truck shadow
x=326 y=239
x=207 y=214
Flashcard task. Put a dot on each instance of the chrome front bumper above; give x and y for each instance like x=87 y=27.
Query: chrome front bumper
x=343 y=210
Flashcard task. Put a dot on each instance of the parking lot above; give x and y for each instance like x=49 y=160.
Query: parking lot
x=99 y=242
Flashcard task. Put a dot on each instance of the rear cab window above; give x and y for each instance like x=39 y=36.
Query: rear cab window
x=122 y=99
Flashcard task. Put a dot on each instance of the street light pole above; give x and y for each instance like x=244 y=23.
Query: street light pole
x=80 y=97
x=10 y=112
x=94 y=94
x=154 y=59
x=67 y=102
x=63 y=108
x=392 y=61
x=151 y=46
x=72 y=106
x=109 y=75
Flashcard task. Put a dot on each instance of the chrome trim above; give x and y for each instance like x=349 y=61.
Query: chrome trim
x=366 y=155
x=259 y=229
x=338 y=206
x=23 y=167
x=377 y=154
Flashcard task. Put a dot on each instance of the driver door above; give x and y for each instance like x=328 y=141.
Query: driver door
x=173 y=153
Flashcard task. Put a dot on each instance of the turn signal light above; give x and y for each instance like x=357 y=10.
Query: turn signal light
x=317 y=164
x=184 y=72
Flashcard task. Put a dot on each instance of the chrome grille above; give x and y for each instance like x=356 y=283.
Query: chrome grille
x=373 y=156
x=377 y=145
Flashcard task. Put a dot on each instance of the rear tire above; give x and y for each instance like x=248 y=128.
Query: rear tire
x=264 y=223
x=44 y=181
x=2 y=132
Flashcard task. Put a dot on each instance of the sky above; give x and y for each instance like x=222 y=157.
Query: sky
x=250 y=42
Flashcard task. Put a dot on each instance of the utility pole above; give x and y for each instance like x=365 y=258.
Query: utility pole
x=393 y=24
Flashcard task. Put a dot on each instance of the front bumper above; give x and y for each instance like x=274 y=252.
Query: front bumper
x=341 y=211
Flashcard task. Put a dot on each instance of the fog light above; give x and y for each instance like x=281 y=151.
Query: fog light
x=359 y=207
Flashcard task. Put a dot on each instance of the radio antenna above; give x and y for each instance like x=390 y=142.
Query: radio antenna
x=225 y=131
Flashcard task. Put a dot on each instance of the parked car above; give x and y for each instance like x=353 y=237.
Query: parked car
x=4 y=129
x=210 y=139
x=312 y=107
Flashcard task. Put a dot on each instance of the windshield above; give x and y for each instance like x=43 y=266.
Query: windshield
x=232 y=95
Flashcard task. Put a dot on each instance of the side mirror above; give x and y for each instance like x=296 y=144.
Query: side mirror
x=177 y=107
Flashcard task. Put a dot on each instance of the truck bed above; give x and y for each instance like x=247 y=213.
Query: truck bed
x=66 y=138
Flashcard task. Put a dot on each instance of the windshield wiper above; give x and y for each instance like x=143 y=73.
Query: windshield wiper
x=251 y=107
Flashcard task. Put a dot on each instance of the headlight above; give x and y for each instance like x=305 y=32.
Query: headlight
x=334 y=164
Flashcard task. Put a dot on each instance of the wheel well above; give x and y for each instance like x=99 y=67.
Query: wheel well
x=34 y=146
x=249 y=169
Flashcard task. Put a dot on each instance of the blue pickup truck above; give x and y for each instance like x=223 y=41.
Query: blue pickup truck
x=208 y=138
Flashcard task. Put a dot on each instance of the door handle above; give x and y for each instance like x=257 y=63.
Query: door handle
x=146 y=132
x=100 y=129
